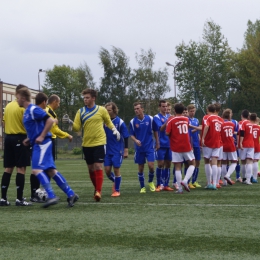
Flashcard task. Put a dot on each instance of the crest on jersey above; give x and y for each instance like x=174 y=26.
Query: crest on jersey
x=137 y=125
x=147 y=123
x=162 y=119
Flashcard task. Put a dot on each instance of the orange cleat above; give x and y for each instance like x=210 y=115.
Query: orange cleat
x=167 y=188
x=218 y=186
x=233 y=182
x=97 y=196
x=158 y=188
x=115 y=194
x=220 y=182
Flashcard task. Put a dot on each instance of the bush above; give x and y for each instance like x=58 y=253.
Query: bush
x=77 y=150
x=131 y=150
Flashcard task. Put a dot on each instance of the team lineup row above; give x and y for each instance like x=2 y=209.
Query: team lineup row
x=105 y=142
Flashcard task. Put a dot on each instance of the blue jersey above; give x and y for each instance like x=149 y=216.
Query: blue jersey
x=34 y=122
x=113 y=146
x=194 y=137
x=159 y=120
x=142 y=130
x=235 y=130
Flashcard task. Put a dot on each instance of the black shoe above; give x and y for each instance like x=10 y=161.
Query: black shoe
x=72 y=200
x=22 y=203
x=50 y=202
x=4 y=202
x=36 y=199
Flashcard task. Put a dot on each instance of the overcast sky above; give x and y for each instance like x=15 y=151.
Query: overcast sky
x=40 y=34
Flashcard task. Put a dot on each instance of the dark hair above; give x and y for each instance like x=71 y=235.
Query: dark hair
x=179 y=108
x=245 y=113
x=253 y=116
x=19 y=87
x=92 y=92
x=211 y=108
x=162 y=101
x=227 y=113
x=24 y=92
x=53 y=98
x=217 y=106
x=138 y=103
x=40 y=97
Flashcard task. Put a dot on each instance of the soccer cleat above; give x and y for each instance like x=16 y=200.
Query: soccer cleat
x=175 y=185
x=97 y=196
x=254 y=180
x=115 y=194
x=239 y=179
x=22 y=203
x=4 y=202
x=258 y=174
x=247 y=182
x=167 y=188
x=228 y=180
x=143 y=190
x=209 y=187
x=196 y=185
x=218 y=186
x=213 y=187
x=220 y=182
x=233 y=182
x=179 y=191
x=191 y=186
x=151 y=185
x=71 y=200
x=36 y=199
x=158 y=188
x=50 y=202
x=185 y=186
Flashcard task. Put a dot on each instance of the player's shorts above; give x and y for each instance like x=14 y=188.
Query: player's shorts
x=42 y=158
x=197 y=154
x=141 y=157
x=15 y=153
x=256 y=156
x=163 y=154
x=210 y=152
x=95 y=154
x=114 y=160
x=220 y=157
x=179 y=157
x=231 y=156
x=246 y=153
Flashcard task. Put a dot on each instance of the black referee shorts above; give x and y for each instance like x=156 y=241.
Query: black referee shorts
x=94 y=154
x=15 y=153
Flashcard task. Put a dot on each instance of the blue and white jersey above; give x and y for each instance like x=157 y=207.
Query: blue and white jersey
x=142 y=130
x=113 y=146
x=235 y=130
x=194 y=137
x=34 y=122
x=159 y=120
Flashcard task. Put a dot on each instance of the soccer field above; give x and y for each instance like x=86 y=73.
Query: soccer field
x=202 y=224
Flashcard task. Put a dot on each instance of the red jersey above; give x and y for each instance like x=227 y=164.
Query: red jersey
x=247 y=127
x=203 y=125
x=222 y=120
x=177 y=128
x=256 y=135
x=212 y=138
x=227 y=132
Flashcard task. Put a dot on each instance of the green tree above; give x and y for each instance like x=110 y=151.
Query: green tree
x=117 y=81
x=149 y=85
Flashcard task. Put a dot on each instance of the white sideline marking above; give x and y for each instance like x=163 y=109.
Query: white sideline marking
x=172 y=204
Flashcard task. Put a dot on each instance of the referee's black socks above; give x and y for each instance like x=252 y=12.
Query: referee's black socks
x=5 y=184
x=20 y=179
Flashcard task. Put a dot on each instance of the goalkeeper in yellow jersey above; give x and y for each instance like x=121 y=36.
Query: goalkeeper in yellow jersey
x=91 y=118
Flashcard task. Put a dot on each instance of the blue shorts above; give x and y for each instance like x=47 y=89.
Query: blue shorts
x=141 y=156
x=114 y=160
x=196 y=151
x=42 y=158
x=163 y=154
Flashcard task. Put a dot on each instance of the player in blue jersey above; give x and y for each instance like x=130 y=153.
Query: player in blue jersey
x=115 y=151
x=141 y=132
x=38 y=124
x=163 y=154
x=195 y=141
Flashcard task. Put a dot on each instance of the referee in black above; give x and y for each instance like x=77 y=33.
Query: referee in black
x=15 y=153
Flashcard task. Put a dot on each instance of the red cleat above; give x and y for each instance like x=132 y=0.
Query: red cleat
x=167 y=188
x=115 y=194
x=97 y=196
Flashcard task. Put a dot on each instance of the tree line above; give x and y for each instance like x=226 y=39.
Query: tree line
x=209 y=71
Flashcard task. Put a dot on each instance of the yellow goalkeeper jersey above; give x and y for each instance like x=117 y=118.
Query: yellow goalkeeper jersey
x=92 y=122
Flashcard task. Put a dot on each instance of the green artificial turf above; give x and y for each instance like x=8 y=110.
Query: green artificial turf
x=202 y=224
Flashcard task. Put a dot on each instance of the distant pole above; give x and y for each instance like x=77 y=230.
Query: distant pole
x=39 y=83
x=174 y=77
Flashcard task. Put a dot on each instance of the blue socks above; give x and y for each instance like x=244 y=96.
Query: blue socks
x=159 y=176
x=111 y=177
x=117 y=183
x=62 y=183
x=45 y=182
x=141 y=179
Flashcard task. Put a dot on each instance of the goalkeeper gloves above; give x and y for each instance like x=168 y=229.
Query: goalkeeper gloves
x=116 y=133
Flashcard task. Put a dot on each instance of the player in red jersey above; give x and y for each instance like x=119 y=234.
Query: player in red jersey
x=210 y=142
x=229 y=148
x=246 y=146
x=177 y=130
x=256 y=135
